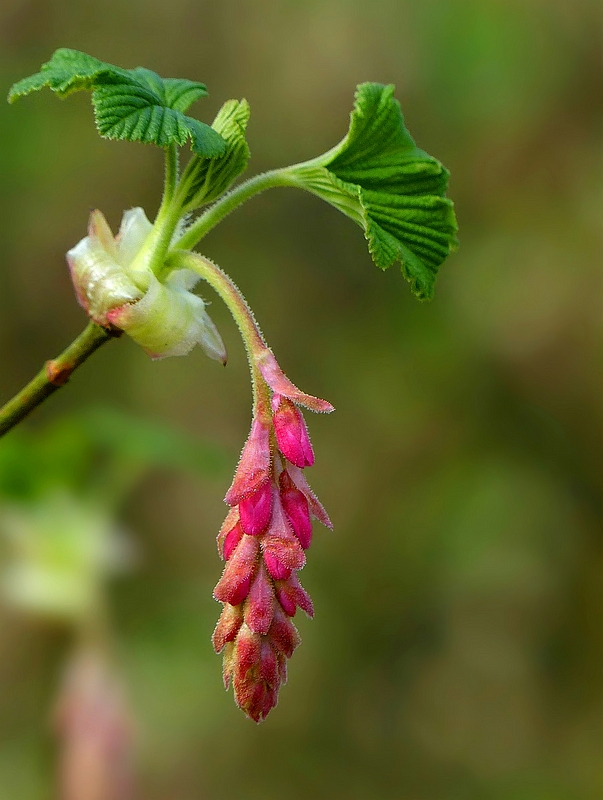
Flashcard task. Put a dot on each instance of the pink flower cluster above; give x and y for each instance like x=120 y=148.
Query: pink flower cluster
x=263 y=541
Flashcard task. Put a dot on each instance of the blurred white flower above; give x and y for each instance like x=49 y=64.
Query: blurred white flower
x=62 y=550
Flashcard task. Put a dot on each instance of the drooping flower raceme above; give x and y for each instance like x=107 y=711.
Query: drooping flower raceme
x=116 y=286
x=263 y=540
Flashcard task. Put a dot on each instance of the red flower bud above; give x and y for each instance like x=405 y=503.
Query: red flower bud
x=316 y=507
x=227 y=627
x=279 y=540
x=268 y=666
x=271 y=508
x=259 y=607
x=297 y=510
x=254 y=465
x=283 y=634
x=231 y=541
x=247 y=650
x=287 y=602
x=291 y=432
x=233 y=586
x=255 y=510
x=290 y=594
x=230 y=534
x=275 y=568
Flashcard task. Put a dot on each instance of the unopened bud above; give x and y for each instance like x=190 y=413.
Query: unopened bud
x=233 y=586
x=291 y=432
x=296 y=507
x=254 y=465
x=255 y=510
x=163 y=317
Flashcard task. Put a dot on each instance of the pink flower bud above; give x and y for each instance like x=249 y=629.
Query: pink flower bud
x=233 y=586
x=229 y=526
x=283 y=634
x=287 y=602
x=316 y=507
x=297 y=509
x=255 y=510
x=290 y=594
x=250 y=696
x=291 y=432
x=268 y=666
x=271 y=507
x=279 y=541
x=231 y=541
x=275 y=568
x=257 y=674
x=247 y=650
x=227 y=627
x=254 y=465
x=287 y=552
x=259 y=607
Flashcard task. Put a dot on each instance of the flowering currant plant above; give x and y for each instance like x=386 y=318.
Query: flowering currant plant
x=140 y=282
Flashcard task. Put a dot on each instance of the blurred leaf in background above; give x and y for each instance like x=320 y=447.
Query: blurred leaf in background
x=60 y=495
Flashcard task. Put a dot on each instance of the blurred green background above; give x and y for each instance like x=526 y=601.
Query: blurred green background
x=457 y=644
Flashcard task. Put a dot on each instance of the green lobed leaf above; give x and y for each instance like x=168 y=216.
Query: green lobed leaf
x=396 y=192
x=206 y=179
x=136 y=105
x=67 y=71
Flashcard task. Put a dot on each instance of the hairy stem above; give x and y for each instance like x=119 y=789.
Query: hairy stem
x=172 y=167
x=242 y=315
x=52 y=376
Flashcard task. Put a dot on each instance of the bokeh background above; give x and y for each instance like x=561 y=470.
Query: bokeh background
x=456 y=647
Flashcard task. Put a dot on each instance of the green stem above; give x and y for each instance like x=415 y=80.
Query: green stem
x=228 y=202
x=52 y=376
x=152 y=254
x=242 y=315
x=172 y=167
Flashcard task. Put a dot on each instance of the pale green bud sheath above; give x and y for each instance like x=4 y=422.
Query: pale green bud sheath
x=116 y=287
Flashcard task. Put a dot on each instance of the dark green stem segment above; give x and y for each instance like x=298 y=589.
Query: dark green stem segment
x=53 y=375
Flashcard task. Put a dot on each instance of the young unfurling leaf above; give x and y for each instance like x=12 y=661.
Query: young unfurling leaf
x=378 y=177
x=206 y=179
x=132 y=104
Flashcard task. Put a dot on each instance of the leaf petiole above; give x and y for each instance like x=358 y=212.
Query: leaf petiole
x=229 y=202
